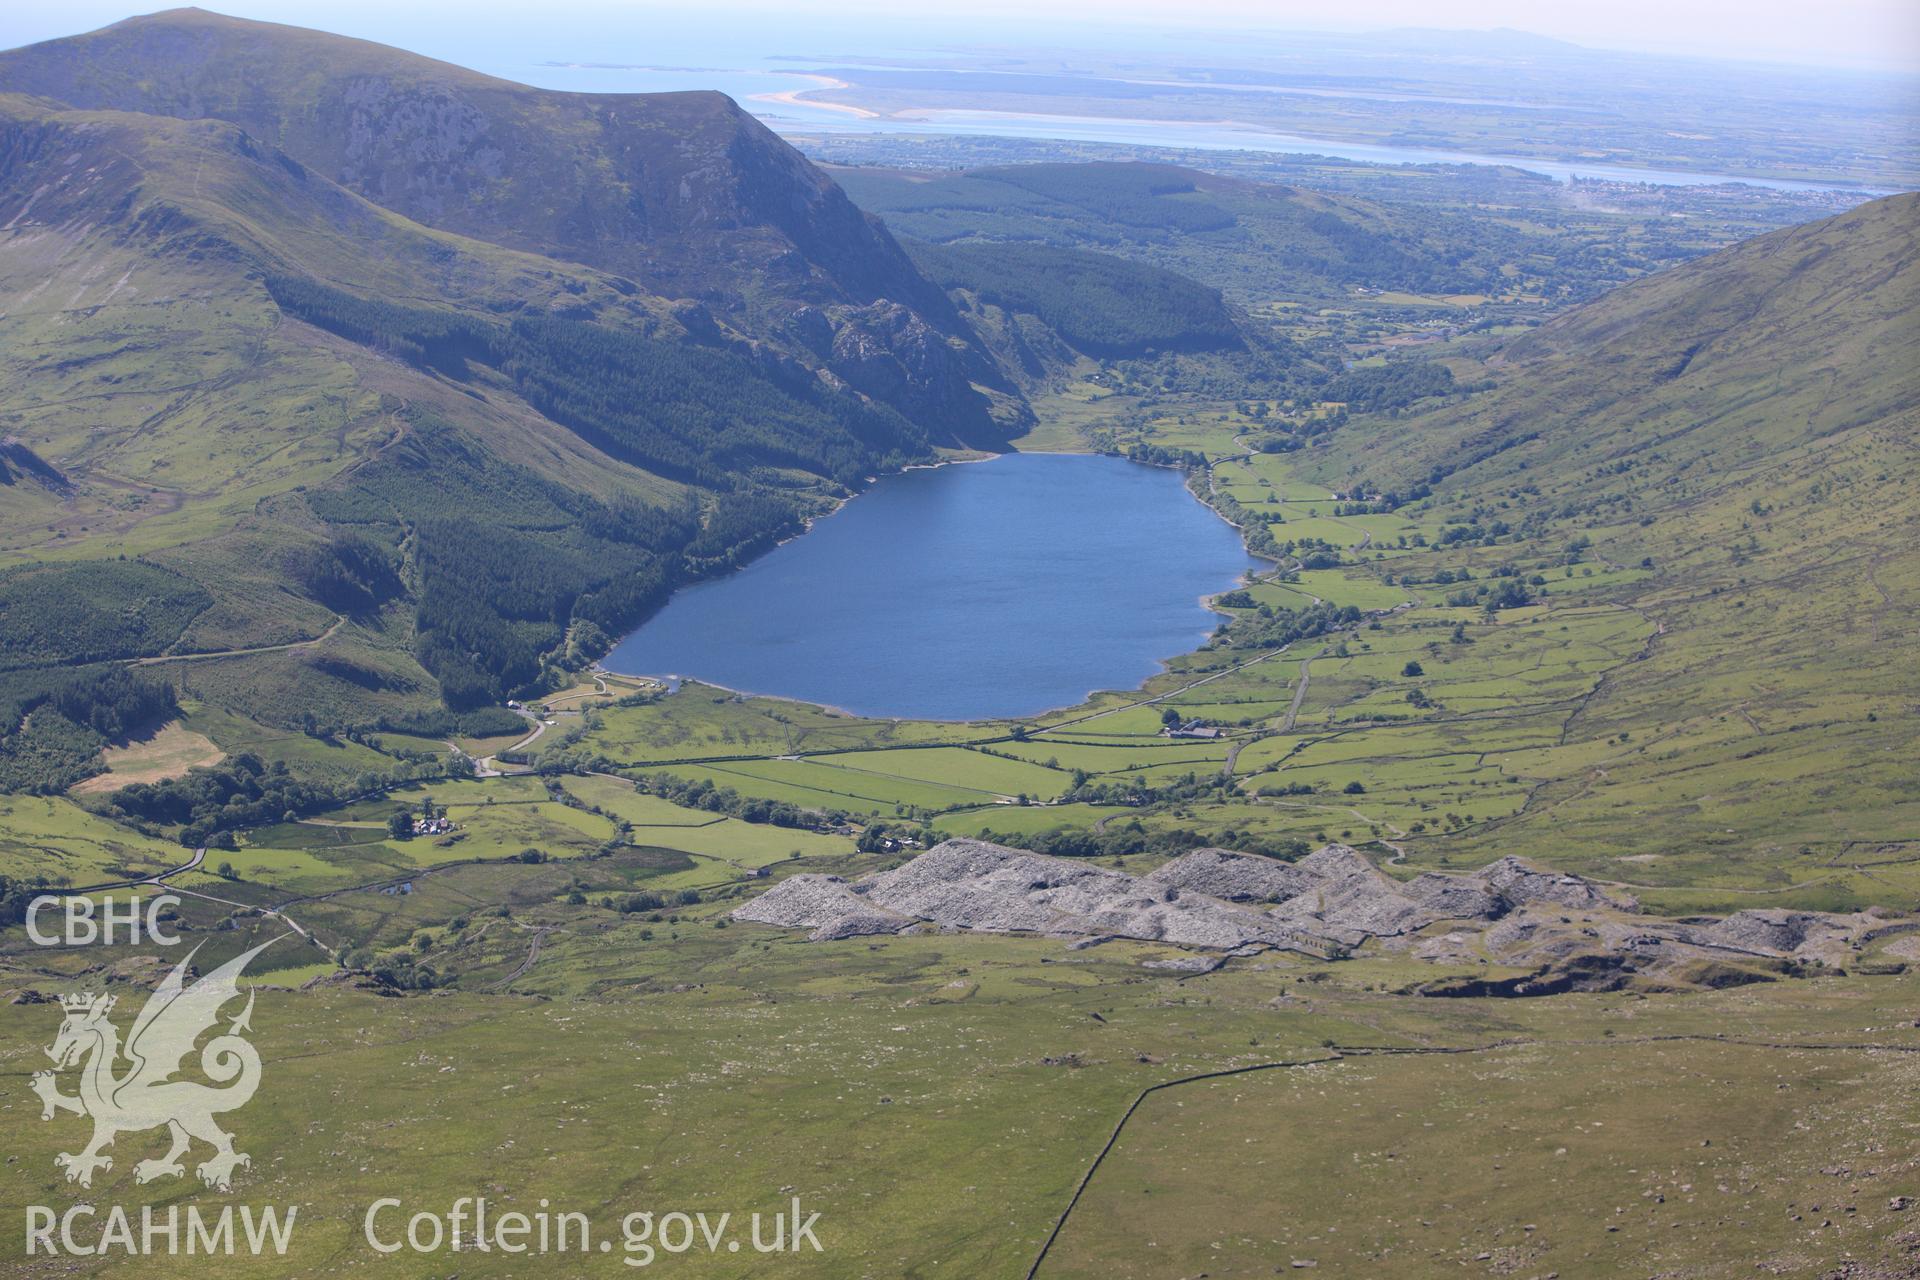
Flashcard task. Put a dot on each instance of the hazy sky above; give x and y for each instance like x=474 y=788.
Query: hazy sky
x=1860 y=33
x=1881 y=33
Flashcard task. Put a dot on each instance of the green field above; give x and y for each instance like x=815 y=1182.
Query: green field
x=982 y=1085
x=54 y=842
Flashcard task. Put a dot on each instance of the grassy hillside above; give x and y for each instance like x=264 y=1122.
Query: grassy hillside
x=1099 y=304
x=1741 y=433
x=1655 y=605
x=683 y=187
x=685 y=193
x=384 y=468
x=1255 y=241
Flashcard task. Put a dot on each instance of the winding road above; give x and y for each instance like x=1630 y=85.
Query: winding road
x=339 y=621
x=159 y=879
x=484 y=767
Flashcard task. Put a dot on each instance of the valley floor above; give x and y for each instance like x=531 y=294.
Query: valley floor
x=1112 y=1118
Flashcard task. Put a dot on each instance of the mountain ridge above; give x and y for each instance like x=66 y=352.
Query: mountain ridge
x=686 y=194
x=301 y=402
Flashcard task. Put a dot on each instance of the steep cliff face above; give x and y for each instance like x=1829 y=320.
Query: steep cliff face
x=684 y=193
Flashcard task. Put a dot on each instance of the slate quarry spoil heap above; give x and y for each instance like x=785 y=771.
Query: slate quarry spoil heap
x=1538 y=931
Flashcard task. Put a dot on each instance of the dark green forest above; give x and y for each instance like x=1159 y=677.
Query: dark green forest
x=1374 y=388
x=1101 y=305
x=699 y=414
x=1247 y=238
x=53 y=721
x=93 y=611
x=207 y=802
x=1152 y=197
x=63 y=695
x=506 y=561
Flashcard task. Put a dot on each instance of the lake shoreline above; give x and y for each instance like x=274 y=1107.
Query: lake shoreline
x=986 y=571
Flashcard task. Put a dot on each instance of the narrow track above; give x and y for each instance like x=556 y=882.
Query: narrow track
x=339 y=621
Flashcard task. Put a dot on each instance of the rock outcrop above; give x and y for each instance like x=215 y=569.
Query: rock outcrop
x=16 y=459
x=1455 y=897
x=1773 y=930
x=1210 y=898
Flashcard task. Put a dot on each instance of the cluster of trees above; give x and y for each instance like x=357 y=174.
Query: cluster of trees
x=45 y=755
x=209 y=804
x=480 y=722
x=493 y=601
x=695 y=413
x=109 y=700
x=1474 y=534
x=1254 y=525
x=56 y=710
x=505 y=560
x=14 y=901
x=1348 y=246
x=1441 y=577
x=1104 y=306
x=1322 y=557
x=402 y=970
x=1270 y=628
x=350 y=573
x=1374 y=388
x=647 y=901
x=1185 y=788
x=91 y=612
x=1281 y=437
x=874 y=837
x=1157 y=455
x=702 y=794
x=1379 y=503
x=1511 y=593
x=1145 y=196
x=701 y=414
x=740 y=526
x=53 y=722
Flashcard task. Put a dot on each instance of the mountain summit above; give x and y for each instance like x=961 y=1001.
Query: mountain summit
x=685 y=194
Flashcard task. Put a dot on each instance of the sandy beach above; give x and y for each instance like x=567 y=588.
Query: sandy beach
x=794 y=98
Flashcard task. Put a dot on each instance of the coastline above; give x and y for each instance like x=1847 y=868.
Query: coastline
x=798 y=98
x=1228 y=134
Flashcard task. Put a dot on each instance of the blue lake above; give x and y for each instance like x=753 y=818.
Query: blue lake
x=998 y=588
